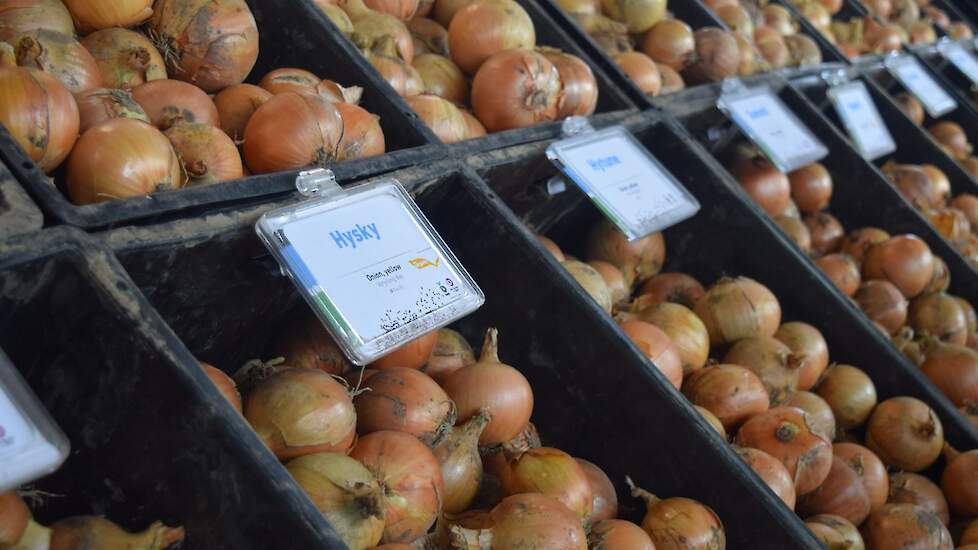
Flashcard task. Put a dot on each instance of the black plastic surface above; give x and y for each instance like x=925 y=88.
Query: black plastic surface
x=18 y=214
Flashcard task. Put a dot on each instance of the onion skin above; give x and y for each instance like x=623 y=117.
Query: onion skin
x=91 y=15
x=850 y=394
x=224 y=384
x=842 y=270
x=345 y=492
x=604 y=504
x=314 y=127
x=968 y=204
x=680 y=523
x=551 y=247
x=474 y=128
x=411 y=478
x=405 y=400
x=222 y=56
x=717 y=56
x=911 y=107
x=442 y=77
x=905 y=526
x=908 y=488
x=731 y=392
x=125 y=58
x=531 y=521
x=785 y=433
x=413 y=355
x=796 y=230
x=613 y=278
x=296 y=412
x=678 y=288
x=168 y=102
x=207 y=153
x=712 y=420
x=398 y=73
x=870 y=469
x=637 y=16
x=553 y=473
x=289 y=79
x=811 y=188
x=461 y=465
x=670 y=42
x=101 y=104
x=819 y=413
x=617 y=534
x=20 y=16
x=485 y=28
x=883 y=303
x=769 y=187
x=641 y=70
x=59 y=55
x=840 y=525
x=431 y=34
x=858 y=242
x=657 y=347
x=905 y=433
x=772 y=361
x=96 y=532
x=592 y=282
x=841 y=494
x=579 y=89
x=374 y=30
x=14 y=516
x=826 y=232
x=235 y=105
x=401 y=9
x=952 y=136
x=672 y=81
x=733 y=309
x=684 y=329
x=439 y=114
x=362 y=134
x=305 y=343
x=451 y=352
x=940 y=282
x=960 y=482
x=954 y=370
x=515 y=89
x=121 y=158
x=904 y=260
x=638 y=260
x=772 y=472
x=806 y=341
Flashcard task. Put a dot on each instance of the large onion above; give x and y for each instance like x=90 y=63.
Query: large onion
x=579 y=89
x=684 y=329
x=439 y=114
x=345 y=492
x=604 y=504
x=59 y=55
x=939 y=315
x=908 y=488
x=772 y=361
x=850 y=394
x=638 y=260
x=678 y=288
x=733 y=309
x=769 y=187
x=528 y=521
x=691 y=523
x=883 y=303
x=717 y=56
x=905 y=433
x=486 y=27
x=405 y=400
x=39 y=113
x=811 y=188
x=820 y=414
x=235 y=105
x=121 y=158
x=617 y=534
x=842 y=270
x=100 y=14
x=905 y=526
x=514 y=89
x=461 y=465
x=841 y=494
x=807 y=342
x=550 y=472
x=362 y=135
x=312 y=124
x=298 y=411
x=168 y=102
x=657 y=346
x=785 y=433
x=20 y=16
x=670 y=42
x=411 y=479
x=493 y=385
x=125 y=58
x=210 y=43
x=772 y=472
x=904 y=260
x=208 y=154
x=731 y=392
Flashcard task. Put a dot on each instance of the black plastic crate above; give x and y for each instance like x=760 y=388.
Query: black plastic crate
x=291 y=34
x=592 y=386
x=966 y=7
x=18 y=214
x=961 y=84
x=151 y=437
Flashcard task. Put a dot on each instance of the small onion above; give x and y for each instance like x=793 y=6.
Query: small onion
x=461 y=465
x=670 y=42
x=312 y=125
x=733 y=309
x=235 y=105
x=737 y=19
x=904 y=260
x=691 y=523
x=908 y=488
x=779 y=18
x=656 y=345
x=772 y=472
x=750 y=58
x=100 y=14
x=639 y=260
x=842 y=270
x=806 y=341
x=769 y=187
x=617 y=534
x=858 y=242
x=811 y=188
x=168 y=102
x=848 y=535
x=405 y=400
x=672 y=81
x=952 y=136
x=641 y=70
x=17 y=17
x=442 y=77
x=207 y=153
x=59 y=55
x=717 y=56
x=515 y=89
x=938 y=179
x=883 y=303
x=678 y=288
x=905 y=433
x=772 y=361
x=604 y=505
x=803 y=50
x=772 y=47
x=100 y=104
x=850 y=394
x=796 y=230
x=362 y=135
x=637 y=16
x=485 y=28
x=592 y=282
x=826 y=232
x=553 y=473
x=412 y=355
x=451 y=352
x=819 y=413
x=841 y=494
x=870 y=469
x=613 y=278
x=731 y=392
x=785 y=433
x=125 y=58
x=913 y=184
x=579 y=89
x=551 y=247
x=684 y=329
x=905 y=526
x=439 y=114
x=528 y=521
x=939 y=315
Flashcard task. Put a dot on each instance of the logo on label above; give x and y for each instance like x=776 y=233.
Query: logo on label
x=358 y=234
x=422 y=263
x=603 y=163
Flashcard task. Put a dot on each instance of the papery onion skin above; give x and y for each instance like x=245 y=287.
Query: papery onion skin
x=305 y=343
x=405 y=400
x=430 y=34
x=639 y=260
x=769 y=187
x=712 y=420
x=771 y=360
x=940 y=281
x=733 y=309
x=910 y=488
x=820 y=415
x=442 y=77
x=515 y=89
x=905 y=433
x=785 y=433
x=960 y=482
x=362 y=134
x=669 y=42
x=614 y=279
x=215 y=59
x=805 y=340
x=289 y=79
x=717 y=56
x=529 y=521
x=617 y=534
x=372 y=30
x=474 y=128
x=224 y=384
x=439 y=114
x=313 y=125
x=235 y=105
x=850 y=393
x=401 y=9
x=731 y=392
x=826 y=232
x=672 y=81
x=97 y=532
x=870 y=469
x=680 y=523
x=637 y=16
x=846 y=530
x=125 y=58
x=485 y=28
x=951 y=135
x=550 y=472
x=61 y=56
x=678 y=288
x=398 y=73
x=684 y=329
x=939 y=315
x=451 y=352
x=19 y=16
x=811 y=188
x=461 y=465
x=905 y=526
x=904 y=260
x=796 y=230
x=641 y=70
x=101 y=104
x=93 y=15
x=412 y=355
x=840 y=494
x=604 y=505
x=883 y=303
x=207 y=153
x=579 y=91
x=858 y=242
x=591 y=282
x=657 y=347
x=121 y=158
x=168 y=102
x=772 y=472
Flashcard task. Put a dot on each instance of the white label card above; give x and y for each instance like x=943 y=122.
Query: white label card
x=914 y=78
x=964 y=60
x=773 y=128
x=15 y=432
x=862 y=120
x=625 y=182
x=371 y=266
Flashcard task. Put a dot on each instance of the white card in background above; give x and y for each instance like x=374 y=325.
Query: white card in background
x=625 y=182
x=371 y=267
x=922 y=85
x=765 y=119
x=862 y=119
x=964 y=60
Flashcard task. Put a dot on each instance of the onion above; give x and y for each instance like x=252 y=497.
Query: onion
x=959 y=30
x=235 y=105
x=125 y=58
x=905 y=433
x=515 y=89
x=579 y=89
x=779 y=18
x=914 y=184
x=802 y=50
x=939 y=315
x=451 y=352
x=496 y=386
x=444 y=119
x=678 y=288
x=412 y=355
x=442 y=77
x=870 y=469
x=772 y=361
x=968 y=204
x=224 y=384
x=772 y=47
x=819 y=413
x=907 y=488
x=858 y=242
x=904 y=260
x=731 y=392
x=345 y=492
x=305 y=343
x=970 y=166
x=373 y=29
x=207 y=153
x=59 y=55
x=14 y=517
x=911 y=107
x=684 y=329
x=750 y=58
x=101 y=104
x=430 y=34
x=717 y=56
x=850 y=394
x=970 y=534
x=362 y=135
x=954 y=370
x=614 y=280
x=826 y=232
x=940 y=281
x=591 y=281
x=485 y=28
x=806 y=341
x=121 y=158
x=289 y=79
x=401 y=9
x=769 y=188
x=96 y=532
x=938 y=179
x=846 y=535
x=410 y=477
x=905 y=526
x=969 y=313
x=641 y=70
x=842 y=270
x=733 y=309
x=210 y=43
x=796 y=230
x=528 y=521
x=670 y=42
x=337 y=16
x=311 y=125
x=656 y=345
x=20 y=16
x=580 y=7
x=604 y=504
x=671 y=80
x=617 y=534
x=771 y=472
x=712 y=420
x=952 y=136
x=785 y=433
x=841 y=494
x=474 y=128
x=461 y=465
x=550 y=472
x=398 y=73
x=639 y=260
x=100 y=14
x=680 y=523
x=811 y=188
x=737 y=19
x=168 y=102
x=883 y=303
x=639 y=16
x=405 y=400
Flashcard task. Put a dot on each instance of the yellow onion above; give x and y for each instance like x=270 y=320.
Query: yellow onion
x=362 y=135
x=527 y=521
x=905 y=433
x=305 y=343
x=372 y=28
x=550 y=472
x=717 y=56
x=96 y=532
x=670 y=42
x=786 y=434
x=820 y=415
x=850 y=394
x=168 y=102
x=939 y=315
x=125 y=58
x=20 y=16
x=579 y=89
x=429 y=35
x=692 y=523
x=442 y=77
x=638 y=15
x=485 y=28
x=808 y=343
x=883 y=303
x=92 y=15
x=618 y=534
x=639 y=260
x=953 y=369
x=908 y=488
x=685 y=329
x=207 y=153
x=337 y=16
x=772 y=472
x=613 y=278
x=396 y=71
x=731 y=392
x=904 y=260
x=59 y=55
x=672 y=81
x=641 y=70
x=905 y=526
x=604 y=505
x=451 y=353
x=843 y=533
x=803 y=51
x=591 y=281
x=39 y=113
x=515 y=89
x=401 y=9
x=461 y=465
x=772 y=361
x=733 y=309
x=289 y=79
x=235 y=105
x=444 y=119
x=290 y=131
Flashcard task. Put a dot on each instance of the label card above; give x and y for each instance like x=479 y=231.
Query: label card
x=371 y=266
x=914 y=78
x=773 y=128
x=625 y=182
x=862 y=120
x=964 y=60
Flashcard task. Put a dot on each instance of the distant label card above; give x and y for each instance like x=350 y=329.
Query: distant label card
x=773 y=128
x=922 y=85
x=625 y=182
x=862 y=120
x=964 y=60
x=372 y=267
